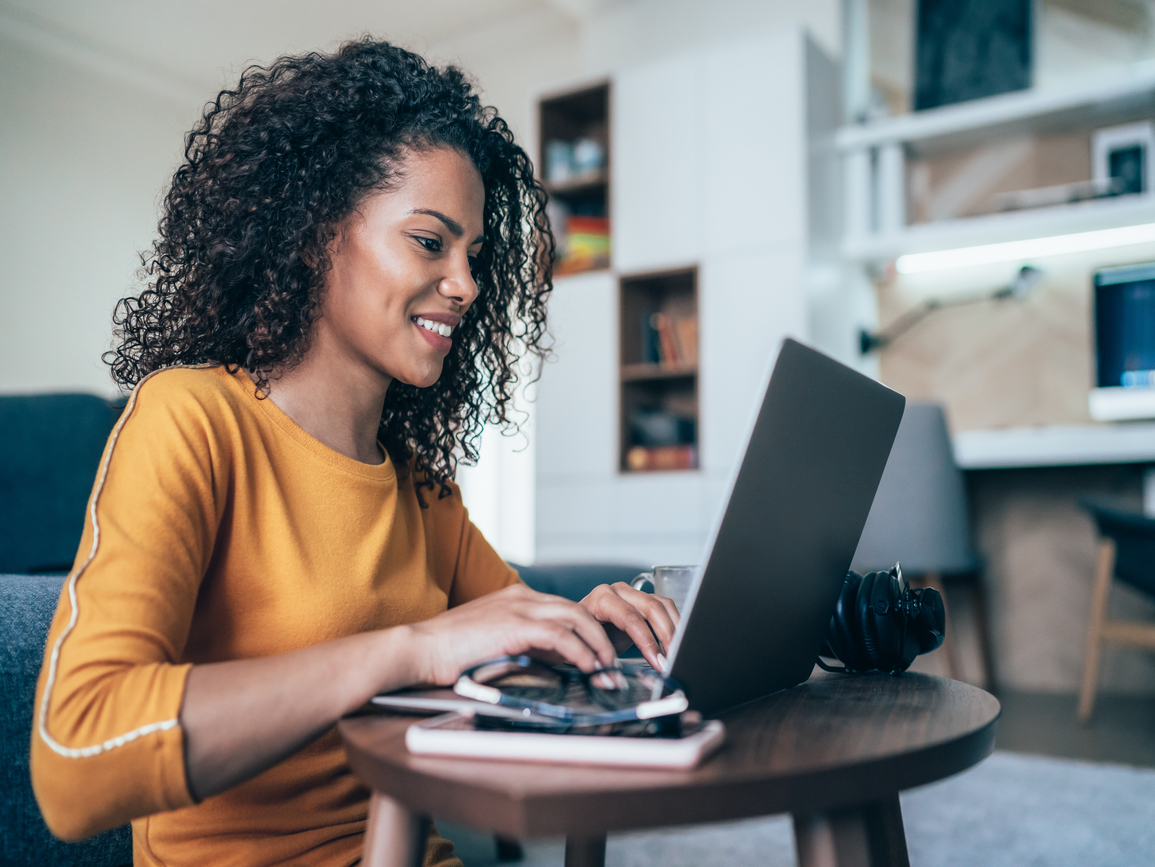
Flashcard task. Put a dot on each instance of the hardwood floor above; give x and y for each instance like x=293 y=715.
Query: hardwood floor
x=1122 y=729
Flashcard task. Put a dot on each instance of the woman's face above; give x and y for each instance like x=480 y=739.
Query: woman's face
x=400 y=279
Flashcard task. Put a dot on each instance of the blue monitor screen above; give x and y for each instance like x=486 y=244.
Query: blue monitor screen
x=1125 y=326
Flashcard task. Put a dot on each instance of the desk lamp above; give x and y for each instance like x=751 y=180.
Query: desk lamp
x=1023 y=285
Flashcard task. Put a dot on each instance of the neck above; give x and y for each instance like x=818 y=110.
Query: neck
x=341 y=411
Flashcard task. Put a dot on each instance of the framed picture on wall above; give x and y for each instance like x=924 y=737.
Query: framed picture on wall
x=1123 y=158
x=970 y=49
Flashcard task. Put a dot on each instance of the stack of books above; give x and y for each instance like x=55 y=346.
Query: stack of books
x=586 y=244
x=679 y=457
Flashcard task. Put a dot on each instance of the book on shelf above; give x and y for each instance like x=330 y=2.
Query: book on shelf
x=669 y=341
x=686 y=331
x=682 y=457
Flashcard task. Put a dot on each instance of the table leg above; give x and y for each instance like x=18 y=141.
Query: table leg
x=394 y=836
x=866 y=835
x=585 y=851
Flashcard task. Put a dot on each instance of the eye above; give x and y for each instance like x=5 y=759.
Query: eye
x=433 y=245
x=474 y=266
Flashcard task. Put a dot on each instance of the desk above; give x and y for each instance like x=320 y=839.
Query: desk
x=834 y=751
x=1062 y=446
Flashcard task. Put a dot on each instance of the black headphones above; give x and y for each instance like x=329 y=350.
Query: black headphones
x=880 y=622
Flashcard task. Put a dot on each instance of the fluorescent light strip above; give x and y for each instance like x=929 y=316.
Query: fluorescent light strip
x=1009 y=251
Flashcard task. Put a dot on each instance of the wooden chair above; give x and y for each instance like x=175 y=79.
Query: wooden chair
x=1126 y=552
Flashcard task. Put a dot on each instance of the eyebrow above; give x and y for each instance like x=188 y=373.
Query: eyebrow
x=451 y=224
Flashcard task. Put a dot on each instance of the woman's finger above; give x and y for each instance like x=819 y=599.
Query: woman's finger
x=611 y=608
x=583 y=625
x=671 y=609
x=552 y=637
x=660 y=611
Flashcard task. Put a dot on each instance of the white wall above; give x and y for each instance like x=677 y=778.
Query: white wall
x=82 y=161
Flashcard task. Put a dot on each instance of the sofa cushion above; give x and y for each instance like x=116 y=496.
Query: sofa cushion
x=50 y=448
x=27 y=603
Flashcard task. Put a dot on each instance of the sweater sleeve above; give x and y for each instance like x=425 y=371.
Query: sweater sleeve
x=107 y=745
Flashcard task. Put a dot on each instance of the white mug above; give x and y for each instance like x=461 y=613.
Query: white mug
x=673 y=582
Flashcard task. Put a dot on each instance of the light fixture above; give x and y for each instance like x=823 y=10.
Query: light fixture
x=1022 y=286
x=1009 y=251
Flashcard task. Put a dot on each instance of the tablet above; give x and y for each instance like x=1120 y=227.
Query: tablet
x=453 y=734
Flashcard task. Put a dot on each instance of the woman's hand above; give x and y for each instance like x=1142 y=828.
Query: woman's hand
x=633 y=617
x=510 y=621
x=243 y=716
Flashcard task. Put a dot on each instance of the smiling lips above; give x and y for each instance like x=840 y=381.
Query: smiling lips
x=436 y=334
x=436 y=327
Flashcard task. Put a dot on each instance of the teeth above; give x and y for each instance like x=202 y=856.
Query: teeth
x=435 y=327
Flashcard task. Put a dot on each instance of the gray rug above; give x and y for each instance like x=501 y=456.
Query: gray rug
x=1013 y=809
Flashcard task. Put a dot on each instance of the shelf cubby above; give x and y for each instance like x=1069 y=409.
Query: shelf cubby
x=575 y=169
x=658 y=315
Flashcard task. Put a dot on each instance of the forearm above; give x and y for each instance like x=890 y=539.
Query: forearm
x=242 y=717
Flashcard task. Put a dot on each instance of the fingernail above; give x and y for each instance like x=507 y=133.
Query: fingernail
x=662 y=661
x=608 y=680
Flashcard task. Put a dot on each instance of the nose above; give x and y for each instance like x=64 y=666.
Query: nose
x=459 y=285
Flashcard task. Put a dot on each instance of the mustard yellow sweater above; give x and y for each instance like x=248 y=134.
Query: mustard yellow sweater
x=218 y=529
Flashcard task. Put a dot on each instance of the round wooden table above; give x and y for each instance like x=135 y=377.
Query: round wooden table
x=834 y=752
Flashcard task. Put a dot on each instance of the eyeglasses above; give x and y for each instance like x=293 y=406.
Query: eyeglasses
x=551 y=696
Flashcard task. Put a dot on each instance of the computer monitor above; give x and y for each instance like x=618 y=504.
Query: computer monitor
x=1124 y=343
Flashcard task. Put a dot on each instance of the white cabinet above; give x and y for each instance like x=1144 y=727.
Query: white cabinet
x=656 y=202
x=750 y=301
x=754 y=126
x=574 y=436
x=714 y=154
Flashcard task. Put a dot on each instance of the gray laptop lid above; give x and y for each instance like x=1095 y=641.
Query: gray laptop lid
x=779 y=554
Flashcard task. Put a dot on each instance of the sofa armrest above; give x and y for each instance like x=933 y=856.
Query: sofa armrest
x=27 y=603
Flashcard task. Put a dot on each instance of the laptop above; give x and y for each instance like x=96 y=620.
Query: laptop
x=779 y=550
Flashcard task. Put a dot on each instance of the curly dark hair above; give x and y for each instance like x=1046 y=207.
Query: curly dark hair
x=270 y=170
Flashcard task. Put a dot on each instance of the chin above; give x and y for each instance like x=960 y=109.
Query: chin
x=423 y=380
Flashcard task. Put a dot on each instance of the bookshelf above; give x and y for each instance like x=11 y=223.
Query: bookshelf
x=658 y=371
x=574 y=164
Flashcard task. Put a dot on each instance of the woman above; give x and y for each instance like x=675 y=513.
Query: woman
x=348 y=257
